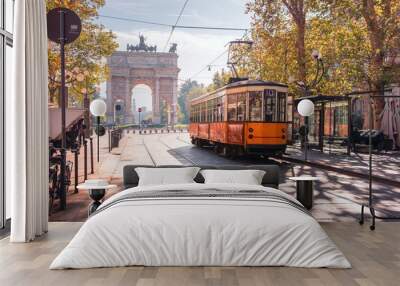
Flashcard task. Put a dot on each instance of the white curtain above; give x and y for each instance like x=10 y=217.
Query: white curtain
x=27 y=124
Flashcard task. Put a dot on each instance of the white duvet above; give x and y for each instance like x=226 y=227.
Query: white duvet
x=202 y=232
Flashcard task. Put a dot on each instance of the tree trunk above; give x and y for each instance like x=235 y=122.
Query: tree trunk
x=376 y=33
x=301 y=53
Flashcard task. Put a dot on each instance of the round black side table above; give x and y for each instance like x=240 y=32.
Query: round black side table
x=304 y=190
x=96 y=193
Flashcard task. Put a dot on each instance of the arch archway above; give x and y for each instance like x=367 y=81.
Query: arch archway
x=159 y=71
x=142 y=97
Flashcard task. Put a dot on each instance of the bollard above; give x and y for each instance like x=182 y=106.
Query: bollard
x=109 y=141
x=91 y=156
x=76 y=153
x=85 y=158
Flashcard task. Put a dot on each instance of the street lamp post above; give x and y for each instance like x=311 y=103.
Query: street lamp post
x=98 y=108
x=306 y=109
x=140 y=122
x=317 y=56
x=63 y=27
x=80 y=77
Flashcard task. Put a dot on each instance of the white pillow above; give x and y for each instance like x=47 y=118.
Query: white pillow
x=248 y=177
x=166 y=176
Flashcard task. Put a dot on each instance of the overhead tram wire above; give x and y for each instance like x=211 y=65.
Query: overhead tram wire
x=206 y=66
x=176 y=23
x=215 y=59
x=175 y=26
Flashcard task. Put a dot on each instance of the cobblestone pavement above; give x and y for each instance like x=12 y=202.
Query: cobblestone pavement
x=337 y=196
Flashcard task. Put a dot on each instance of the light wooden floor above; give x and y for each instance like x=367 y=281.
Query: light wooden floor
x=375 y=257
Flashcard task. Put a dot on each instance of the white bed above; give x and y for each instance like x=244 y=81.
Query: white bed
x=183 y=230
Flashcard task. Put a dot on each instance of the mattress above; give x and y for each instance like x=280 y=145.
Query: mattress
x=201 y=225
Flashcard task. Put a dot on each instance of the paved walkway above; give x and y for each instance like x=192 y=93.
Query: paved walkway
x=337 y=196
x=386 y=165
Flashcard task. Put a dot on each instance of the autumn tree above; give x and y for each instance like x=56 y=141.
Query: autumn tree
x=184 y=98
x=275 y=16
x=382 y=24
x=85 y=56
x=220 y=79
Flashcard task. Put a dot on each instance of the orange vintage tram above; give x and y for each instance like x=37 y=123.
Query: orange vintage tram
x=248 y=116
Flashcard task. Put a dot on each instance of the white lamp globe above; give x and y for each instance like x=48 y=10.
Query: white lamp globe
x=98 y=107
x=305 y=107
x=316 y=54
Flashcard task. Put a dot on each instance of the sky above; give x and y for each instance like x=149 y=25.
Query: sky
x=196 y=48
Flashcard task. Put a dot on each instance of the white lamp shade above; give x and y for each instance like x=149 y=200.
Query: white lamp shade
x=98 y=107
x=315 y=54
x=305 y=107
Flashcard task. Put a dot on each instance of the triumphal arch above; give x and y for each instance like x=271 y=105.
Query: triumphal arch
x=142 y=64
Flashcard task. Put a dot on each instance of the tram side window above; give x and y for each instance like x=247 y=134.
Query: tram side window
x=220 y=109
x=209 y=110
x=196 y=113
x=215 y=110
x=281 y=106
x=203 y=112
x=193 y=113
x=270 y=105
x=241 y=107
x=232 y=107
x=255 y=108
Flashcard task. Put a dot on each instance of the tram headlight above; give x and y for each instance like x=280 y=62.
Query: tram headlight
x=251 y=130
x=251 y=136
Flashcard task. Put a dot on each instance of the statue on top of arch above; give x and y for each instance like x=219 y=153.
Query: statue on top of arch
x=142 y=46
x=173 y=47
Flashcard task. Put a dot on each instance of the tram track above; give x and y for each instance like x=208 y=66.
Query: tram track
x=177 y=155
x=185 y=160
x=148 y=152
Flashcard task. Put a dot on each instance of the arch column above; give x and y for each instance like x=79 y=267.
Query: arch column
x=156 y=104
x=128 y=102
x=174 y=118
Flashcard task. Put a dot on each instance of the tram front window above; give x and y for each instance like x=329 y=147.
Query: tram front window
x=255 y=105
x=270 y=105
